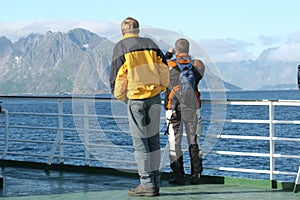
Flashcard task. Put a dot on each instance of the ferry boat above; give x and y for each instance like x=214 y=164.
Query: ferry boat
x=75 y=147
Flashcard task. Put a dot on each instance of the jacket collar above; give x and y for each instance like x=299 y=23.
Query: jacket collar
x=128 y=35
x=183 y=56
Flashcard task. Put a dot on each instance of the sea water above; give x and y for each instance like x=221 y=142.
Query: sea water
x=208 y=145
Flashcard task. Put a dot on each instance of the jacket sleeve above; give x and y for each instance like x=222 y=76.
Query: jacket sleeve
x=200 y=67
x=120 y=89
x=163 y=70
x=164 y=76
x=118 y=60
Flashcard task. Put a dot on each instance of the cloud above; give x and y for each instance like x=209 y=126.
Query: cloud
x=289 y=51
x=294 y=37
x=286 y=53
x=218 y=50
x=16 y=30
x=227 y=50
x=267 y=40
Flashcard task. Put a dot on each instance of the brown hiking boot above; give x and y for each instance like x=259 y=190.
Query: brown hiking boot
x=144 y=191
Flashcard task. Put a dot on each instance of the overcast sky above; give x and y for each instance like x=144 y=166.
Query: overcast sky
x=227 y=29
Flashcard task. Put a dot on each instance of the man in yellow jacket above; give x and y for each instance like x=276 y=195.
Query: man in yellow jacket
x=139 y=73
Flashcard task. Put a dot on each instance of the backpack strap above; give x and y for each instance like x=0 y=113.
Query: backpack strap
x=182 y=66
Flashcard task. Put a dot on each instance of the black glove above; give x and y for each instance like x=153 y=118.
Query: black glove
x=169 y=55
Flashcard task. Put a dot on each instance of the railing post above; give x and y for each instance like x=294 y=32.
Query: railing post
x=297 y=182
x=86 y=133
x=6 y=134
x=60 y=131
x=271 y=135
x=59 y=137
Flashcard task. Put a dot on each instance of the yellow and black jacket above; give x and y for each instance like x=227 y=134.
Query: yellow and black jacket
x=171 y=100
x=139 y=69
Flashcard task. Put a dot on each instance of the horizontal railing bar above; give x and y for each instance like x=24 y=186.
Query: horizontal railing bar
x=285 y=173
x=286 y=139
x=285 y=156
x=240 y=170
x=287 y=103
x=251 y=170
x=243 y=137
x=253 y=121
x=247 y=103
x=286 y=121
x=239 y=121
x=247 y=121
x=235 y=153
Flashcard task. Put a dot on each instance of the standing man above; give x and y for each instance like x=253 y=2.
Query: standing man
x=139 y=73
x=182 y=103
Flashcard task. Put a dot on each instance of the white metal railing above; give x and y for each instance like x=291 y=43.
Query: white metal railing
x=58 y=142
x=271 y=138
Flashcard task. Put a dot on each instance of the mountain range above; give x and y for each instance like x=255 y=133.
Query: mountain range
x=263 y=73
x=79 y=62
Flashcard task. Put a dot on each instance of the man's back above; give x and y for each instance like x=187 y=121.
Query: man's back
x=172 y=97
x=140 y=68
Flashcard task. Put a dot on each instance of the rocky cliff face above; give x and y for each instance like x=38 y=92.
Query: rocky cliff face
x=50 y=63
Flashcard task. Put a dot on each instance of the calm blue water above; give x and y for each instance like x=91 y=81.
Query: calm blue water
x=208 y=144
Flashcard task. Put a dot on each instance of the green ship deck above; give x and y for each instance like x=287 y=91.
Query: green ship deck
x=35 y=183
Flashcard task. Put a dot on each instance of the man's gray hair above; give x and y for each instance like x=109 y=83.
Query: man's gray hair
x=130 y=25
x=182 y=46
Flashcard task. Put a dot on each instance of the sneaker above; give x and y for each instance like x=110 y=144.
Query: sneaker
x=176 y=180
x=144 y=191
x=195 y=179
